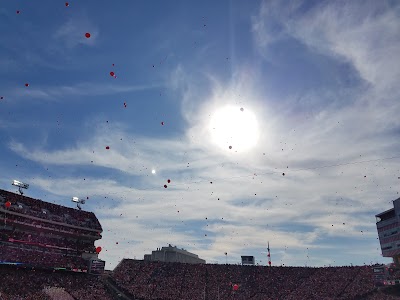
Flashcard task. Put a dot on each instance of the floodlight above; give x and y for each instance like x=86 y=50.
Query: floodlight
x=20 y=185
x=78 y=202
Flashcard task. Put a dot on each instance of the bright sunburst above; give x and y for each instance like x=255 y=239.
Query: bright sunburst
x=234 y=128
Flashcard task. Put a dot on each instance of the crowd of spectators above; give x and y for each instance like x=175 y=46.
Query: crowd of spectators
x=158 y=280
x=35 y=284
x=49 y=211
x=8 y=218
x=44 y=257
x=47 y=240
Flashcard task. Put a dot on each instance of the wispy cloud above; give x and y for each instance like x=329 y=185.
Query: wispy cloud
x=72 y=32
x=55 y=93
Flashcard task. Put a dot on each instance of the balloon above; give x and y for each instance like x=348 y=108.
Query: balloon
x=108 y=147
x=98 y=250
x=235 y=287
x=8 y=204
x=87 y=35
x=112 y=73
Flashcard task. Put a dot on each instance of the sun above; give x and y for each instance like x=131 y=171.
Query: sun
x=234 y=128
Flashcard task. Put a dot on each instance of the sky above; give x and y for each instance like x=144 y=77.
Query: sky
x=273 y=121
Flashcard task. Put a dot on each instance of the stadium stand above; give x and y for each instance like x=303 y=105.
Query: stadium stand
x=156 y=280
x=34 y=284
x=47 y=251
x=41 y=234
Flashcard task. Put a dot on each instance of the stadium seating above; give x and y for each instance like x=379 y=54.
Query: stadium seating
x=35 y=284
x=156 y=280
x=49 y=211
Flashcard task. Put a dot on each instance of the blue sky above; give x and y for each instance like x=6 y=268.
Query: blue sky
x=247 y=91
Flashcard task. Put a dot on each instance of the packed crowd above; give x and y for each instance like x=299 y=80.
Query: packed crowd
x=35 y=284
x=45 y=257
x=47 y=240
x=49 y=211
x=12 y=219
x=157 y=280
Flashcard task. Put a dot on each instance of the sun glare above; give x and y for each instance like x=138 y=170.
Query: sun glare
x=234 y=128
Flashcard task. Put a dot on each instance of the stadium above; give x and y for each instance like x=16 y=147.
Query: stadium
x=48 y=252
x=200 y=150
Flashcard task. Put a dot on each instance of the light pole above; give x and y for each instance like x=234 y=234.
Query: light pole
x=20 y=186
x=78 y=202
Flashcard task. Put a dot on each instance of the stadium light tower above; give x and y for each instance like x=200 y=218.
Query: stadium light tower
x=20 y=186
x=78 y=202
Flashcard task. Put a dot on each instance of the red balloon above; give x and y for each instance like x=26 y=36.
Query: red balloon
x=66 y=4
x=87 y=34
x=112 y=73
x=26 y=84
x=8 y=204
x=235 y=287
x=98 y=250
x=169 y=180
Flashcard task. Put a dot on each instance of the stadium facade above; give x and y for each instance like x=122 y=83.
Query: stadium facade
x=388 y=226
x=35 y=233
x=173 y=254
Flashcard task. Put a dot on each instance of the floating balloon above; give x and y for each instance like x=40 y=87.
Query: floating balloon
x=66 y=4
x=26 y=84
x=18 y=11
x=162 y=123
x=8 y=204
x=108 y=147
x=241 y=109
x=1 y=98
x=169 y=180
x=87 y=35
x=235 y=287
x=230 y=147
x=165 y=186
x=112 y=73
x=98 y=250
